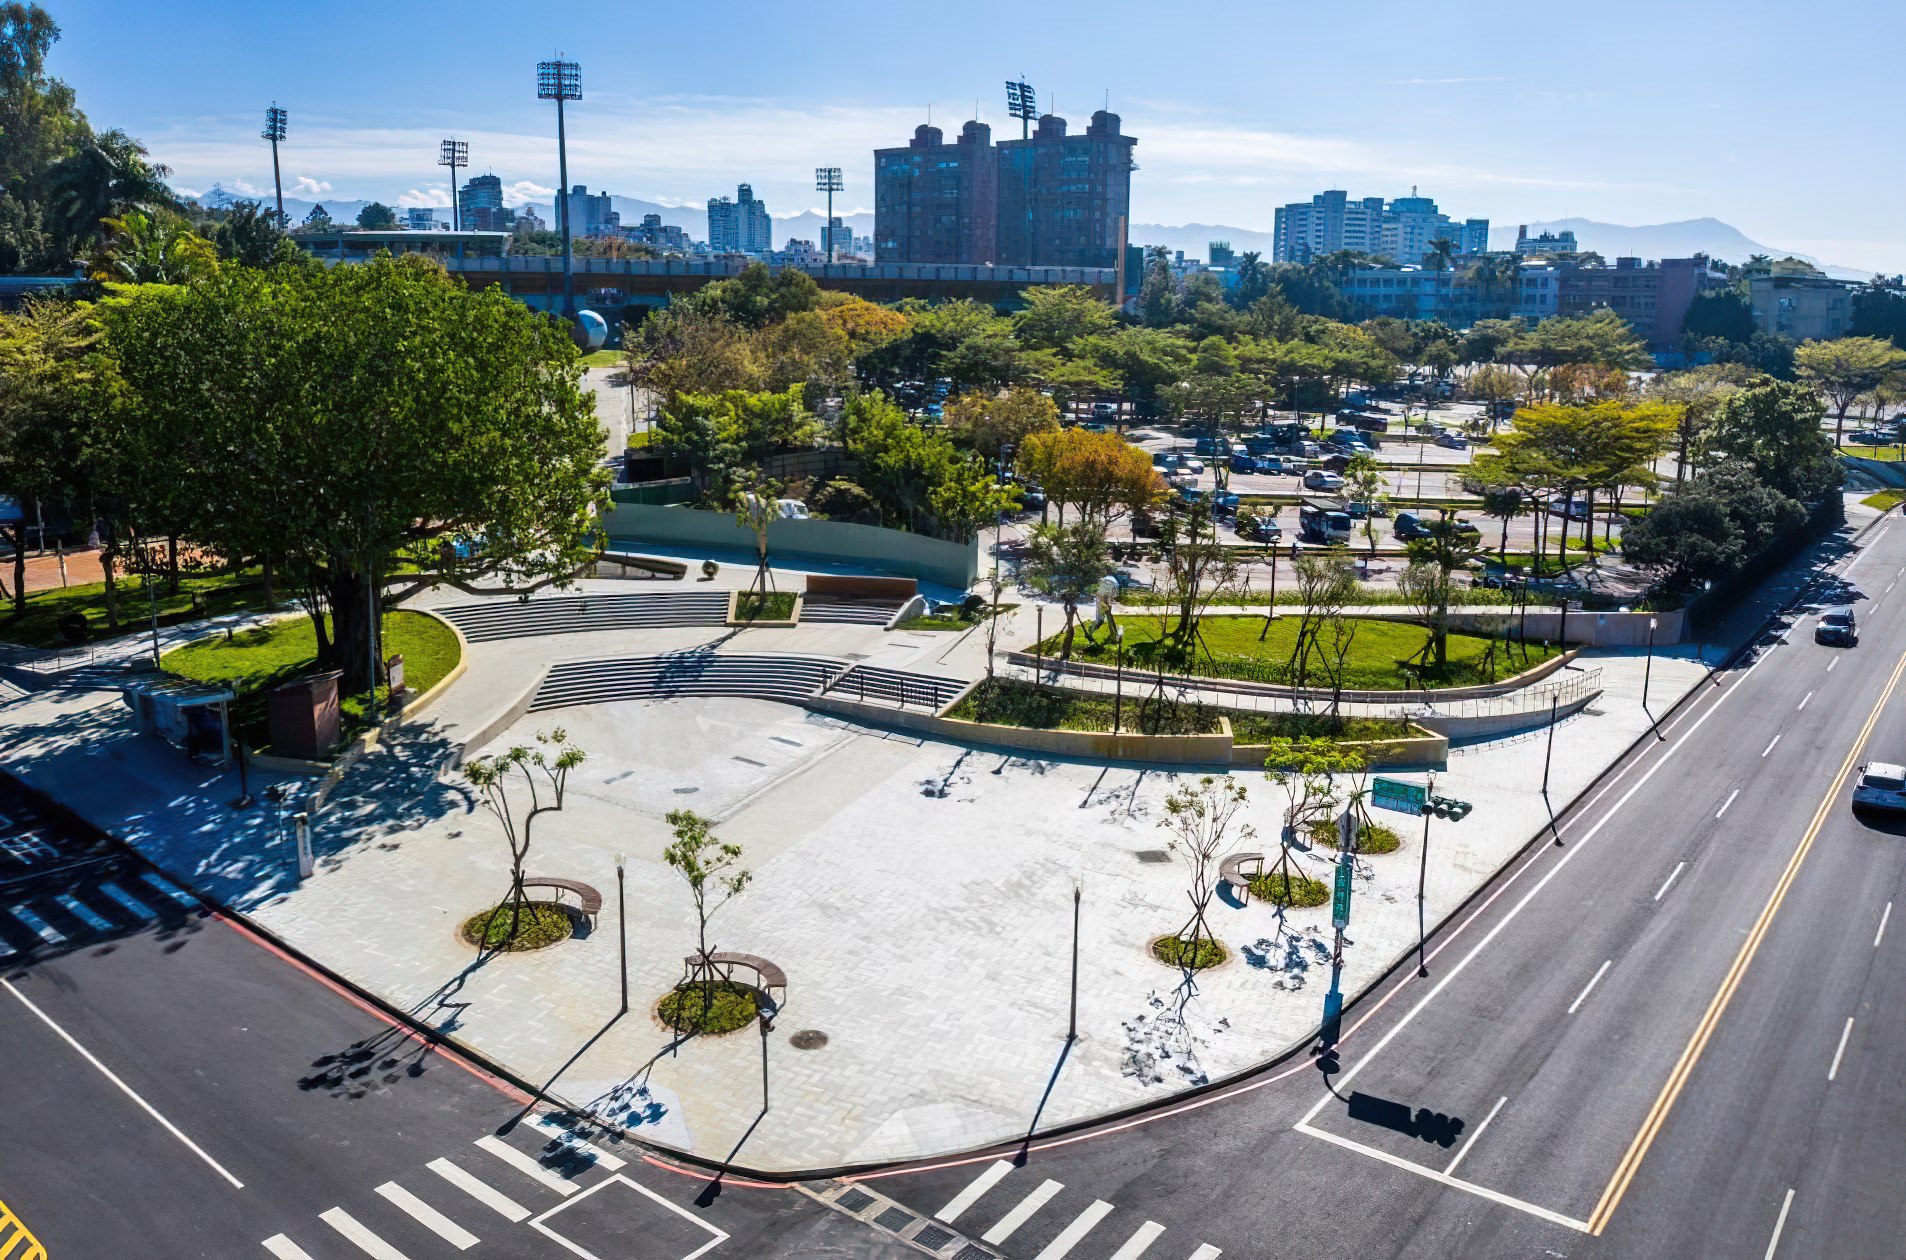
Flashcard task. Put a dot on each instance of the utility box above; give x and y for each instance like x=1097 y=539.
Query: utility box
x=305 y=718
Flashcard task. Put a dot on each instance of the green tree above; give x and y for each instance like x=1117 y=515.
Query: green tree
x=53 y=384
x=1774 y=428
x=358 y=420
x=985 y=420
x=539 y=779
x=1203 y=821
x=1430 y=578
x=712 y=869
x=377 y=217
x=1067 y=563
x=1158 y=291
x=1363 y=483
x=1057 y=317
x=1844 y=369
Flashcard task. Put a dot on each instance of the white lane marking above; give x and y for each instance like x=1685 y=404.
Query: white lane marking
x=974 y=1189
x=1889 y=588
x=1724 y=804
x=509 y=1208
x=1022 y=1212
x=1143 y=1237
x=171 y=890
x=1070 y=1237
x=575 y=1144
x=1803 y=702
x=717 y=1236
x=1780 y=1223
x=1832 y=663
x=1590 y=986
x=129 y=901
x=92 y=918
x=124 y=1088
x=1443 y=1178
x=282 y=1247
x=1492 y=1112
x=363 y=1239
x=48 y=933
x=526 y=1164
x=1840 y=1050
x=1206 y=1252
x=1770 y=745
x=430 y=1218
x=1884 y=916
x=1510 y=915
x=1675 y=874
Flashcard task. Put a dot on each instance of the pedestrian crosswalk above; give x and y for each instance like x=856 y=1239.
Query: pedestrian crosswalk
x=455 y=1202
x=97 y=902
x=1039 y=1219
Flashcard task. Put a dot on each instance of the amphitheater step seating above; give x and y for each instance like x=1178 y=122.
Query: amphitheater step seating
x=823 y=609
x=760 y=677
x=503 y=618
x=900 y=688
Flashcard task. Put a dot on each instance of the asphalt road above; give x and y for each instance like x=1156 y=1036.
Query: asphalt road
x=174 y=1088
x=1634 y=1045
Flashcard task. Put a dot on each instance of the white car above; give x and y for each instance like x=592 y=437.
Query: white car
x=1881 y=786
x=1194 y=466
x=1318 y=479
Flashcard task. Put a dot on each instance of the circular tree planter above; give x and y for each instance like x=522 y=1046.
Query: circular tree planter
x=539 y=926
x=727 y=1006
x=1297 y=891
x=1372 y=838
x=1175 y=953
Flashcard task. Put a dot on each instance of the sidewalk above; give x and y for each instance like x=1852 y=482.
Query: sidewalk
x=917 y=893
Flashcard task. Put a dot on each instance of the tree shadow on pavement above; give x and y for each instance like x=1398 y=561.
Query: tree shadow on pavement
x=396 y=1051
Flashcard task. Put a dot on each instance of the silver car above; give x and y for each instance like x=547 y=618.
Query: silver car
x=1881 y=786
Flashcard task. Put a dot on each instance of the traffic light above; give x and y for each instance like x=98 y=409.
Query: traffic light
x=1449 y=807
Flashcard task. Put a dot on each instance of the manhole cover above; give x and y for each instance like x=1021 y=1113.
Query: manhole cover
x=1153 y=856
x=933 y=1237
x=808 y=1039
x=895 y=1219
x=855 y=1201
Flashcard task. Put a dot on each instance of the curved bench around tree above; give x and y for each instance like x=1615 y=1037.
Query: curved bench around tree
x=723 y=964
x=1232 y=871
x=588 y=900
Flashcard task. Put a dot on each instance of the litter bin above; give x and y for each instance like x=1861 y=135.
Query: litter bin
x=304 y=716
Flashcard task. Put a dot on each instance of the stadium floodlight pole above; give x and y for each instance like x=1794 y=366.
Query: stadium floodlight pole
x=275 y=131
x=454 y=153
x=561 y=81
x=827 y=180
x=1022 y=103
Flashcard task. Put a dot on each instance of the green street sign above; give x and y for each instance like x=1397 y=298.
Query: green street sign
x=1406 y=798
x=1340 y=900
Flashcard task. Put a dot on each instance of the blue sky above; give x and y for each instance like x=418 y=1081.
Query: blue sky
x=1780 y=119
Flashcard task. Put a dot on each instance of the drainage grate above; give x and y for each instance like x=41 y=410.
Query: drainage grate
x=895 y=1219
x=933 y=1237
x=808 y=1039
x=855 y=1200
x=1153 y=857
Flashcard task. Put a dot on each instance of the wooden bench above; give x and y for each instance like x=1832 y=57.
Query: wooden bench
x=588 y=900
x=1231 y=871
x=771 y=977
x=658 y=566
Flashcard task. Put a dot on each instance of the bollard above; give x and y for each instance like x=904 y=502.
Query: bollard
x=301 y=821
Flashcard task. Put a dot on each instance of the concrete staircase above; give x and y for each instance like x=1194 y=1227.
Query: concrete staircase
x=898 y=688
x=488 y=620
x=833 y=610
x=763 y=677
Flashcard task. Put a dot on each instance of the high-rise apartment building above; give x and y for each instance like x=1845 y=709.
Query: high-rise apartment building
x=1050 y=200
x=1404 y=229
x=741 y=226
x=837 y=239
x=420 y=219
x=592 y=215
x=481 y=204
x=1545 y=243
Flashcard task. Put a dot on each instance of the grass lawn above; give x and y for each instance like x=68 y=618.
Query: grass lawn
x=603 y=358
x=1372 y=597
x=538 y=923
x=1887 y=454
x=953 y=620
x=222 y=592
x=253 y=661
x=1248 y=727
x=1006 y=702
x=1885 y=500
x=720 y=1007
x=1232 y=649
x=768 y=606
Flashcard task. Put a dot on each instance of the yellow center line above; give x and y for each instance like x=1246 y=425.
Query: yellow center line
x=1684 y=1067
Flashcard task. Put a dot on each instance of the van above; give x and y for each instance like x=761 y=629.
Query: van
x=1320 y=523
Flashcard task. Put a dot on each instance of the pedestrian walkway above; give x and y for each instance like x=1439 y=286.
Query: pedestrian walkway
x=454 y=1202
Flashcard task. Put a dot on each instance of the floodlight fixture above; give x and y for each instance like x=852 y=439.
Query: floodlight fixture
x=560 y=81
x=453 y=154
x=274 y=131
x=827 y=179
x=1022 y=103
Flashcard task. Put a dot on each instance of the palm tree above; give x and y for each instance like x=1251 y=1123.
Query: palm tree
x=109 y=176
x=140 y=249
x=1441 y=254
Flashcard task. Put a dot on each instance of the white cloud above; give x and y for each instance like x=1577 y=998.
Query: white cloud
x=434 y=195
x=305 y=186
x=524 y=191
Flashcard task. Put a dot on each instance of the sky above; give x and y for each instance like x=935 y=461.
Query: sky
x=1779 y=119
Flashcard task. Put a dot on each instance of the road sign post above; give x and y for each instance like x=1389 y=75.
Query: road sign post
x=1405 y=798
x=1340 y=900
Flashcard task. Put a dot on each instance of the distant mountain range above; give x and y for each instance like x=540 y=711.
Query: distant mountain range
x=1611 y=240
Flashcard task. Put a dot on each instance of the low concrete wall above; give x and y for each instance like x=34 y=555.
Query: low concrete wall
x=1592 y=629
x=1422 y=748
x=1459 y=728
x=1171 y=750
x=889 y=550
x=853 y=586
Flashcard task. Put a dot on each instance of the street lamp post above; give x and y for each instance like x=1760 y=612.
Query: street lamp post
x=1647 y=670
x=561 y=81
x=622 y=924
x=1072 y=1024
x=827 y=179
x=1548 y=754
x=453 y=154
x=1118 y=692
x=274 y=131
x=1422 y=878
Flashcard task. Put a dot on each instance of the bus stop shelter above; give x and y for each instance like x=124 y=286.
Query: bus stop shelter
x=195 y=717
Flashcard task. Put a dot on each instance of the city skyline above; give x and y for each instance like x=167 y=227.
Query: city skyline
x=1503 y=121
